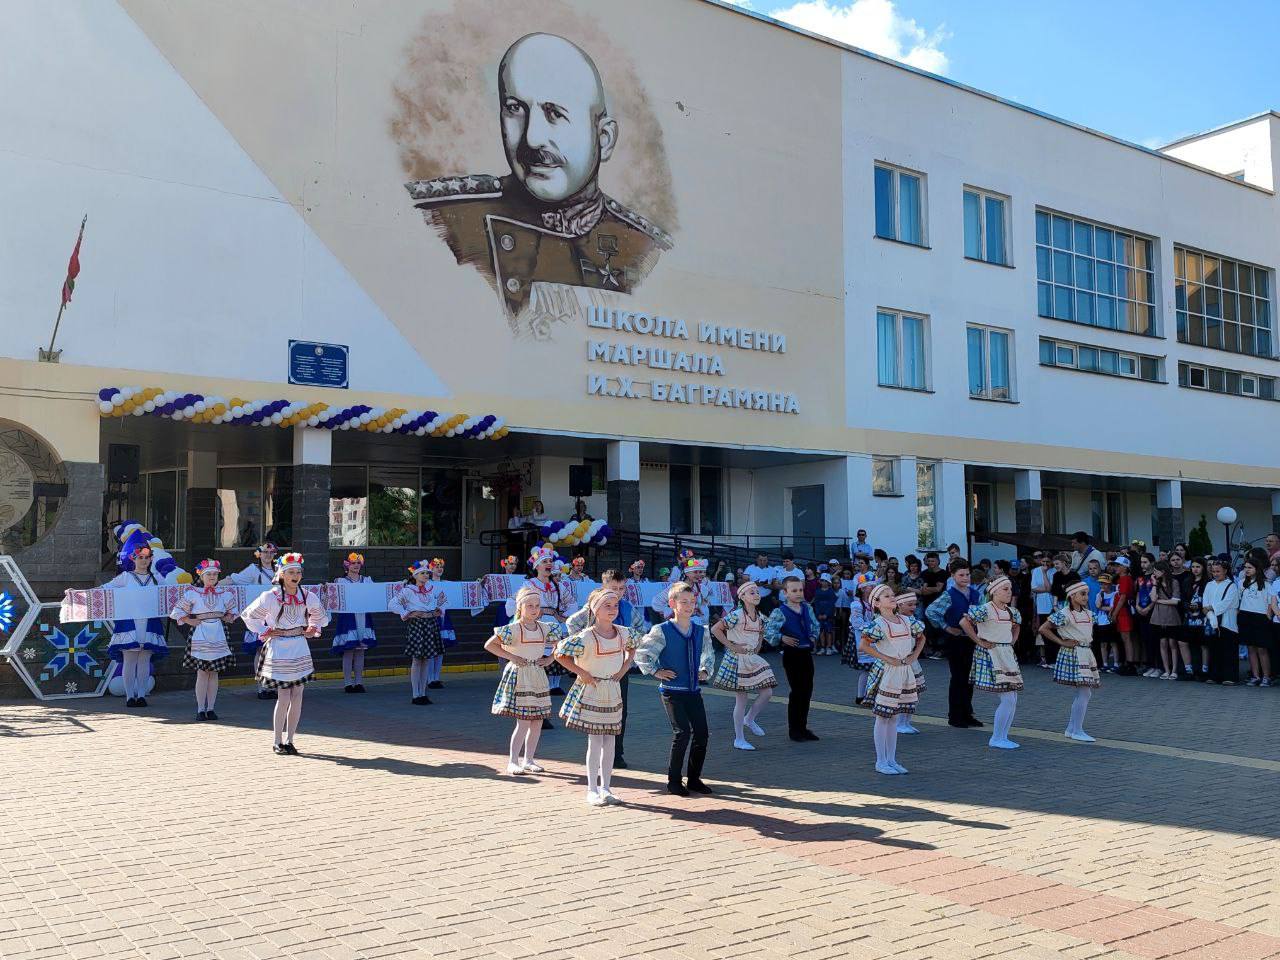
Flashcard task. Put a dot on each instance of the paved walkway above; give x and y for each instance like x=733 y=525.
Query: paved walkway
x=141 y=834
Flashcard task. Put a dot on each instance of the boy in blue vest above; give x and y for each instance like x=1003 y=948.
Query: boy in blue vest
x=794 y=624
x=945 y=613
x=678 y=653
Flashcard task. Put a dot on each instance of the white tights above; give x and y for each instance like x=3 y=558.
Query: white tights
x=742 y=715
x=1004 y=717
x=1078 y=707
x=885 y=735
x=524 y=738
x=136 y=670
x=206 y=689
x=599 y=761
x=352 y=667
x=418 y=676
x=287 y=713
x=435 y=666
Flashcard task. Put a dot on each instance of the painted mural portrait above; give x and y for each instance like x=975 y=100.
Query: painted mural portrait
x=546 y=234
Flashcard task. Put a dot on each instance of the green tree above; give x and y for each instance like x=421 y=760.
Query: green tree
x=1198 y=542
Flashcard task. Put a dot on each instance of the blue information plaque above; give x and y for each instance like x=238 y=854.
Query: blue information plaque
x=318 y=364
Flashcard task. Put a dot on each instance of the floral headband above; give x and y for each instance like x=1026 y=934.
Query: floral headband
x=204 y=565
x=419 y=566
x=353 y=559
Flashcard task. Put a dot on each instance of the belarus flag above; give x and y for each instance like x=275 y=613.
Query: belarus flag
x=73 y=267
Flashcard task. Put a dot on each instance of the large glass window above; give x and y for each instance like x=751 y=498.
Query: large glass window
x=1051 y=509
x=348 y=507
x=884 y=476
x=710 y=508
x=1221 y=303
x=1108 y=516
x=277 y=507
x=681 y=494
x=162 y=506
x=985 y=226
x=1094 y=274
x=990 y=364
x=982 y=510
x=1116 y=363
x=393 y=506
x=237 y=508
x=902 y=352
x=441 y=504
x=926 y=505
x=899 y=204
x=1197 y=376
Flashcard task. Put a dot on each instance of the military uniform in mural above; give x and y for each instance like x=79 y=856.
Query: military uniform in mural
x=495 y=225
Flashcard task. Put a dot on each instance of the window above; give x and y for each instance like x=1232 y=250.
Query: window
x=1221 y=303
x=990 y=366
x=440 y=505
x=926 y=505
x=982 y=510
x=710 y=501
x=985 y=227
x=1096 y=275
x=899 y=205
x=1107 y=512
x=884 y=477
x=1116 y=363
x=1195 y=376
x=348 y=507
x=1051 y=509
x=681 y=498
x=237 y=508
x=393 y=506
x=901 y=350
x=277 y=504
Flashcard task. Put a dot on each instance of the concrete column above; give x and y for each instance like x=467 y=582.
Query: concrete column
x=1275 y=511
x=202 y=491
x=953 y=517
x=622 y=475
x=1028 y=509
x=312 y=457
x=1170 y=526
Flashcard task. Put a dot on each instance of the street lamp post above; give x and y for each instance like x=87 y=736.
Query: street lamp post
x=1226 y=517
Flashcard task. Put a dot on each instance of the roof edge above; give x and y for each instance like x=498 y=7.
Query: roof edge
x=1221 y=128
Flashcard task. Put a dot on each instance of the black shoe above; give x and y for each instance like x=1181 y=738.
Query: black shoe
x=973 y=722
x=435 y=685
x=547 y=724
x=809 y=735
x=962 y=724
x=358 y=688
x=201 y=715
x=419 y=701
x=142 y=702
x=131 y=702
x=267 y=695
x=676 y=787
x=279 y=750
x=697 y=786
x=349 y=688
x=619 y=763
x=290 y=749
x=1183 y=675
x=210 y=715
x=797 y=737
x=423 y=701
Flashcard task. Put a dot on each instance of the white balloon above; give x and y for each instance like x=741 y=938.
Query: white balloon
x=117 y=400
x=189 y=409
x=199 y=405
x=115 y=686
x=106 y=406
x=138 y=411
x=149 y=406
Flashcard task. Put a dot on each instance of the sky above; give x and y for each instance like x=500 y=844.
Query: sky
x=1145 y=71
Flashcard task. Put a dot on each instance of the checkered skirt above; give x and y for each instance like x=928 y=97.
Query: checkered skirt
x=1076 y=667
x=593 y=709
x=897 y=696
x=422 y=639
x=743 y=673
x=523 y=693
x=217 y=666
x=996 y=670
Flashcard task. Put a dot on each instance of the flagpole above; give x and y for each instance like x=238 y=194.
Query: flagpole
x=51 y=355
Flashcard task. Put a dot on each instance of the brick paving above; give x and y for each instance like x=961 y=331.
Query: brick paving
x=142 y=834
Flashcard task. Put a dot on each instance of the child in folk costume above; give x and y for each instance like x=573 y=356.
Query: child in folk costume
x=419 y=604
x=134 y=643
x=507 y=566
x=894 y=641
x=693 y=572
x=742 y=669
x=794 y=625
x=906 y=604
x=285 y=617
x=354 y=631
x=448 y=635
x=861 y=616
x=1071 y=627
x=578 y=569
x=599 y=657
x=523 y=693
x=627 y=616
x=556 y=598
x=679 y=654
x=206 y=609
x=993 y=626
x=260 y=573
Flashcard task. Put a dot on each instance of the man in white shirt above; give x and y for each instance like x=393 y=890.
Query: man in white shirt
x=1082 y=552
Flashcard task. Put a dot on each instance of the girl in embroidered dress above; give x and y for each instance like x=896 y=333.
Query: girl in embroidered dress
x=354 y=631
x=507 y=567
x=285 y=617
x=419 y=604
x=894 y=642
x=260 y=573
x=134 y=643
x=448 y=635
x=206 y=609
x=906 y=605
x=599 y=657
x=1071 y=627
x=861 y=616
x=742 y=669
x=523 y=693
x=556 y=597
x=994 y=626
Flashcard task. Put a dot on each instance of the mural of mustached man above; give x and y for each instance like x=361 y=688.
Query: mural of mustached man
x=547 y=221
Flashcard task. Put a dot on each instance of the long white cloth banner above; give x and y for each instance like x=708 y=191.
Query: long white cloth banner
x=502 y=586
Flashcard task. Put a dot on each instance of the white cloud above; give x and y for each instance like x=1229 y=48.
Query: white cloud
x=874 y=25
